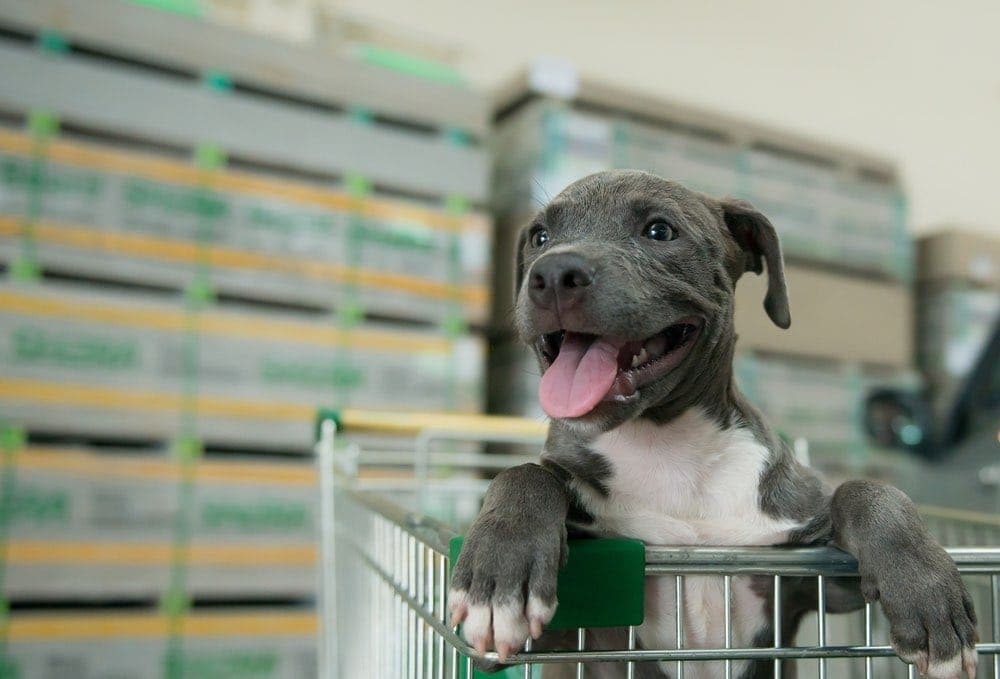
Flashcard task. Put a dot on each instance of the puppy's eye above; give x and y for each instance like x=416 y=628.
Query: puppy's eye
x=660 y=230
x=539 y=237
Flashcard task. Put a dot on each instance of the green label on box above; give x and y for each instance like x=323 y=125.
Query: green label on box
x=39 y=505
x=9 y=669
x=34 y=345
x=24 y=174
x=273 y=219
x=321 y=374
x=254 y=517
x=225 y=665
x=175 y=200
x=396 y=238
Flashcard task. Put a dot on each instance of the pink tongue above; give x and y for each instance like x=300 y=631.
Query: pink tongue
x=582 y=374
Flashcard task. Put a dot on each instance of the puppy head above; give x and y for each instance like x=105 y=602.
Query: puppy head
x=625 y=292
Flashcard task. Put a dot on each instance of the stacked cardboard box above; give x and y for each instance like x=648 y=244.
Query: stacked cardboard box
x=269 y=643
x=99 y=211
x=122 y=363
x=958 y=306
x=840 y=215
x=93 y=523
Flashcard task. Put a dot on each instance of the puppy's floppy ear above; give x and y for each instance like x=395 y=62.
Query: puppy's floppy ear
x=522 y=238
x=758 y=242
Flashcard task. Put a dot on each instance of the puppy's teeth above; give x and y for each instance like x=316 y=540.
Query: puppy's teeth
x=639 y=358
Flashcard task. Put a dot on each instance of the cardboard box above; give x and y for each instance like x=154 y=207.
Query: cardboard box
x=125 y=363
x=834 y=316
x=225 y=643
x=147 y=219
x=955 y=255
x=92 y=524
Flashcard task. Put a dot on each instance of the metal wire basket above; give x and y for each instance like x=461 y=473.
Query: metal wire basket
x=387 y=554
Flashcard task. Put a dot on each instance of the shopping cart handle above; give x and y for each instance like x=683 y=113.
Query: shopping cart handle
x=351 y=420
x=600 y=586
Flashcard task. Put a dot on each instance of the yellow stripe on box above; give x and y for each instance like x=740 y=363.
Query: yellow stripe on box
x=82 y=463
x=227 y=325
x=46 y=627
x=38 y=552
x=85 y=238
x=82 y=155
x=104 y=398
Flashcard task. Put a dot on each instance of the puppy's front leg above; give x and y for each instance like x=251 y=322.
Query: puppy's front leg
x=931 y=618
x=504 y=584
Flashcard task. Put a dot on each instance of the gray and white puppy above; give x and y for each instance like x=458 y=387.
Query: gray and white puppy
x=625 y=292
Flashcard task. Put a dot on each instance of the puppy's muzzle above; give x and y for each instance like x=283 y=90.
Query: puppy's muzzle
x=560 y=281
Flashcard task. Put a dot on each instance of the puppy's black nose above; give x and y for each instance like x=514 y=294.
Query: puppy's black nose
x=559 y=279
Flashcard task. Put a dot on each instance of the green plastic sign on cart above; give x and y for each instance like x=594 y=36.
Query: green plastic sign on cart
x=602 y=585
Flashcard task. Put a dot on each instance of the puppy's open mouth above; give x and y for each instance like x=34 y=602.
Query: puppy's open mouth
x=583 y=370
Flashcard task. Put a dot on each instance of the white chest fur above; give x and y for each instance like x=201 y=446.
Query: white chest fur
x=688 y=483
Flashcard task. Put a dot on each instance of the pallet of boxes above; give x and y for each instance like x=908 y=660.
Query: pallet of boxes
x=841 y=216
x=206 y=234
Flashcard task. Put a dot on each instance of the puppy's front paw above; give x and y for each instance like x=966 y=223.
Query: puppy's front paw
x=503 y=588
x=931 y=617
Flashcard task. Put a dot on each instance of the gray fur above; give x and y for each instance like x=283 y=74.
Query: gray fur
x=638 y=288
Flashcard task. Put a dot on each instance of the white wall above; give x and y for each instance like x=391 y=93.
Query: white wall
x=915 y=80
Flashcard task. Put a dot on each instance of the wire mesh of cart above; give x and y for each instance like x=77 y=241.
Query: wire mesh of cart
x=392 y=517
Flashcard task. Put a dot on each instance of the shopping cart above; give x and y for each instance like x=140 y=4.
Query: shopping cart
x=391 y=521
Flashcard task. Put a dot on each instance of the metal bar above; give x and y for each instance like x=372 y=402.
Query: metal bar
x=581 y=644
x=727 y=587
x=821 y=621
x=679 y=619
x=442 y=610
x=776 y=623
x=995 y=598
x=630 y=668
x=868 y=638
x=527 y=666
x=799 y=561
x=411 y=612
x=328 y=660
